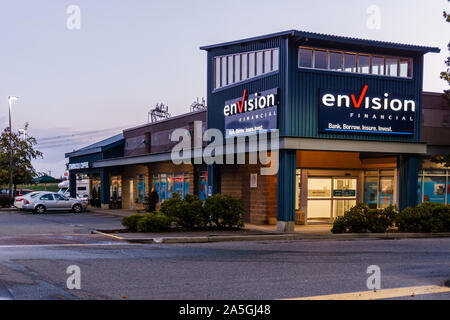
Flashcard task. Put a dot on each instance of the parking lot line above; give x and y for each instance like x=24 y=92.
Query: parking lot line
x=380 y=294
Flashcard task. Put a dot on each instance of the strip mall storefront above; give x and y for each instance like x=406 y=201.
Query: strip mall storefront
x=348 y=112
x=349 y=116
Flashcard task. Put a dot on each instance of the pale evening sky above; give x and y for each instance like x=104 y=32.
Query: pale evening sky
x=130 y=54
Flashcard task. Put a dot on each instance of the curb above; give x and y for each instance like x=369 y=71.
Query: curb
x=274 y=237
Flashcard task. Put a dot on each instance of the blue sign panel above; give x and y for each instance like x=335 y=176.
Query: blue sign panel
x=252 y=113
x=365 y=112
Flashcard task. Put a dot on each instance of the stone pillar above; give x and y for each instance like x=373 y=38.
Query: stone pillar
x=408 y=180
x=214 y=178
x=72 y=184
x=286 y=191
x=104 y=188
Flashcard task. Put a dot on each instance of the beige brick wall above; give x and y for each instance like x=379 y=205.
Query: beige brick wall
x=260 y=203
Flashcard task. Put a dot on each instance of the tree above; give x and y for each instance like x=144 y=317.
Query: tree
x=23 y=153
x=445 y=75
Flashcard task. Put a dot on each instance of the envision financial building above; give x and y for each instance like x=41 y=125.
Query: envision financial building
x=349 y=115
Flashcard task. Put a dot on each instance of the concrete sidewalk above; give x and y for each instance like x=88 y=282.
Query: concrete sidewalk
x=261 y=229
x=250 y=232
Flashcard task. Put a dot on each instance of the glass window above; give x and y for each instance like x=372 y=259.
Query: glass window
x=434 y=189
x=230 y=70
x=386 y=191
x=391 y=67
x=319 y=188
x=259 y=63
x=404 y=68
x=244 y=66
x=237 y=68
x=267 y=61
x=320 y=59
x=141 y=192
x=319 y=209
x=251 y=64
x=349 y=62
x=59 y=197
x=363 y=64
x=275 y=58
x=224 y=71
x=47 y=196
x=335 y=60
x=217 y=72
x=305 y=59
x=378 y=65
x=371 y=192
x=419 y=190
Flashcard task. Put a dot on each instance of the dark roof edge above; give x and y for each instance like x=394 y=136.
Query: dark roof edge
x=164 y=120
x=258 y=38
x=320 y=36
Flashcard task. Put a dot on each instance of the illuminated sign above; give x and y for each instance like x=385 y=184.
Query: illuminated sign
x=251 y=113
x=79 y=165
x=366 y=113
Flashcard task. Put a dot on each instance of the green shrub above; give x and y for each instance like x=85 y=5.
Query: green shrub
x=186 y=213
x=426 y=217
x=153 y=222
x=380 y=220
x=131 y=222
x=339 y=225
x=224 y=211
x=361 y=219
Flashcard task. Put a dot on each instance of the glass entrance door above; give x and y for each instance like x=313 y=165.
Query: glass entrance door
x=344 y=195
x=331 y=197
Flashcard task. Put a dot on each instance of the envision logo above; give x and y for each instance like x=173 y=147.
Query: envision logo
x=367 y=102
x=250 y=103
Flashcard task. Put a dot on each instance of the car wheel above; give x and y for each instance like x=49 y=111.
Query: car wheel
x=40 y=209
x=77 y=208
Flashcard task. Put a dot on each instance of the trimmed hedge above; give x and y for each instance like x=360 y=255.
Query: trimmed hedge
x=153 y=222
x=427 y=217
x=361 y=219
x=224 y=211
x=131 y=222
x=186 y=213
x=218 y=211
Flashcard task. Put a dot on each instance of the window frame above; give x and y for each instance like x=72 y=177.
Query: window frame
x=226 y=79
x=410 y=60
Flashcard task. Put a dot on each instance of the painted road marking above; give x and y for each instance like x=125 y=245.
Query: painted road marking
x=68 y=245
x=380 y=294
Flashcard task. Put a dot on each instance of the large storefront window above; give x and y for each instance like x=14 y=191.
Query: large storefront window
x=434 y=186
x=141 y=188
x=115 y=192
x=379 y=188
x=203 y=185
x=167 y=184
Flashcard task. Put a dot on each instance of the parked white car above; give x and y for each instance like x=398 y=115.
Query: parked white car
x=53 y=201
x=19 y=200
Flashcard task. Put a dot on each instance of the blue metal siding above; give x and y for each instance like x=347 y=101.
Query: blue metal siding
x=304 y=88
x=217 y=98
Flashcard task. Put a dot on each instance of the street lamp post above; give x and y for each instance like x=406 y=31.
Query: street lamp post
x=10 y=100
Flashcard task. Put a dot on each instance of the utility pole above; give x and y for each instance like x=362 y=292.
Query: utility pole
x=10 y=100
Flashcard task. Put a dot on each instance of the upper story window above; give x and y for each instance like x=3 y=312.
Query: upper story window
x=364 y=63
x=238 y=67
